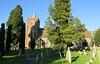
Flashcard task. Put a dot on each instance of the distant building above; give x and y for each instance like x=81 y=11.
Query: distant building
x=88 y=36
x=33 y=23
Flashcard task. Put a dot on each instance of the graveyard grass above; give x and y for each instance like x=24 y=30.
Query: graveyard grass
x=14 y=58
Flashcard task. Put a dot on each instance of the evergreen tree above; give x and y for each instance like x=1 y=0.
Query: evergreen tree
x=8 y=39
x=2 y=37
x=63 y=31
x=33 y=40
x=22 y=38
x=16 y=20
x=97 y=37
x=79 y=30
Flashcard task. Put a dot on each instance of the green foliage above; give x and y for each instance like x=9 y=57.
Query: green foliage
x=40 y=42
x=97 y=37
x=91 y=42
x=22 y=38
x=8 y=39
x=84 y=43
x=2 y=37
x=33 y=40
x=16 y=20
x=63 y=30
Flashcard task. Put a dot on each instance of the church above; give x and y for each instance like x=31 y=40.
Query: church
x=33 y=23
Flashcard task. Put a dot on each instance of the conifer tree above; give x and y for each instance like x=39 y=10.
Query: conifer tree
x=78 y=29
x=2 y=37
x=97 y=37
x=16 y=20
x=33 y=40
x=8 y=39
x=62 y=31
x=22 y=38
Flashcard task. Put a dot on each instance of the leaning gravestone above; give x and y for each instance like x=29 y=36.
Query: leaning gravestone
x=68 y=55
x=90 y=58
x=20 y=51
x=99 y=54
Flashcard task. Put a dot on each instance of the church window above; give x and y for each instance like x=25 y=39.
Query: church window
x=31 y=23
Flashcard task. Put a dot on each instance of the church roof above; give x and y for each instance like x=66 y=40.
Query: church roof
x=88 y=34
x=43 y=33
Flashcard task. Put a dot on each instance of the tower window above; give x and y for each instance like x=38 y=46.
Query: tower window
x=31 y=23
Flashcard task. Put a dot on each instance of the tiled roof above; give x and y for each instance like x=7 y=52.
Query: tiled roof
x=43 y=33
x=88 y=34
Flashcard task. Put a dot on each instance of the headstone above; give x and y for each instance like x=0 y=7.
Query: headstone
x=27 y=53
x=64 y=54
x=94 y=48
x=90 y=58
x=99 y=54
x=68 y=55
x=84 y=52
x=41 y=57
x=47 y=53
x=32 y=53
x=94 y=54
x=20 y=51
x=37 y=58
x=87 y=62
x=80 y=53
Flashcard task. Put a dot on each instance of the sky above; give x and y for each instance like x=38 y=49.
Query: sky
x=88 y=11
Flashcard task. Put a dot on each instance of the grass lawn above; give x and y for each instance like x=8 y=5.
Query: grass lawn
x=14 y=58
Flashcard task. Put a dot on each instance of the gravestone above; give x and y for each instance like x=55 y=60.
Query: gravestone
x=37 y=58
x=87 y=62
x=65 y=55
x=84 y=52
x=80 y=53
x=20 y=51
x=99 y=54
x=47 y=53
x=41 y=57
x=93 y=54
x=32 y=54
x=94 y=48
x=68 y=55
x=90 y=58
x=27 y=54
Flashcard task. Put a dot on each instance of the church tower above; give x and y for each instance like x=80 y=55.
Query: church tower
x=33 y=23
